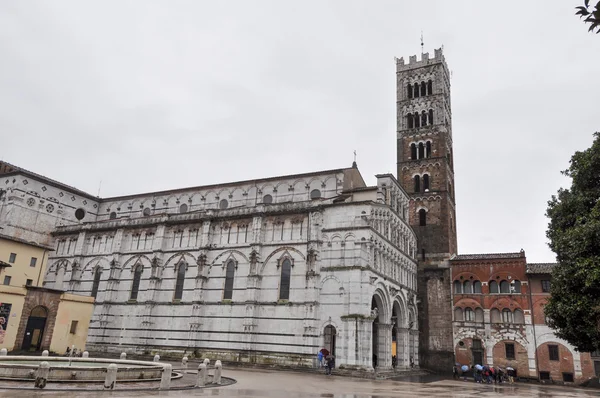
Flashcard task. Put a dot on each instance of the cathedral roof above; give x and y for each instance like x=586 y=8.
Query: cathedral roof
x=540 y=268
x=488 y=256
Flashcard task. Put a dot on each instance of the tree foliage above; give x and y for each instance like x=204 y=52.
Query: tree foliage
x=574 y=233
x=591 y=15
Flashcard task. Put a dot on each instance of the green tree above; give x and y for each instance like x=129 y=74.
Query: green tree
x=591 y=15
x=574 y=232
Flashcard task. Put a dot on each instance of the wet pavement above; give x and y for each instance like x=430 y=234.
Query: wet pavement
x=255 y=383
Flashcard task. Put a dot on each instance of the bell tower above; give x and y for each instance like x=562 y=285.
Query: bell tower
x=426 y=171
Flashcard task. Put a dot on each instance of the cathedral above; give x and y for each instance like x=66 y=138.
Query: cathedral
x=272 y=270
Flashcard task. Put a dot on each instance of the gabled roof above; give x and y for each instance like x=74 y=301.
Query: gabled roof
x=488 y=256
x=540 y=268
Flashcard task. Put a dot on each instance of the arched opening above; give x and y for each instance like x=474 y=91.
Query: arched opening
x=381 y=340
x=416 y=90
x=457 y=287
x=495 y=316
x=516 y=286
x=431 y=116
x=417 y=120
x=96 y=282
x=428 y=149
x=422 y=217
x=469 y=314
x=329 y=335
x=467 y=287
x=421 y=150
x=34 y=331
x=478 y=314
x=413 y=151
x=429 y=87
x=417 y=180
x=229 y=276
x=423 y=89
x=423 y=118
x=135 y=284
x=315 y=194
x=425 y=182
x=409 y=121
x=284 y=283
x=458 y=314
x=409 y=90
x=504 y=287
x=518 y=317
x=507 y=316
x=179 y=282
x=477 y=287
x=493 y=287
x=399 y=336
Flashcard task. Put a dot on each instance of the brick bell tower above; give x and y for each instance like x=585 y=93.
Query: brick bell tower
x=426 y=171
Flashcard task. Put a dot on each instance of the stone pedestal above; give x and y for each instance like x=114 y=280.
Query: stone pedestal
x=111 y=377
x=165 y=380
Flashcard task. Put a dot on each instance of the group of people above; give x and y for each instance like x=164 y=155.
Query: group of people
x=485 y=374
x=326 y=360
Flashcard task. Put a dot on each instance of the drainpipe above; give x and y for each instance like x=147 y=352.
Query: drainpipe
x=537 y=368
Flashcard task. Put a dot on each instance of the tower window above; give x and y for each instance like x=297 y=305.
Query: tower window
x=417 y=120
x=422 y=217
x=429 y=87
x=96 y=282
x=423 y=254
x=421 y=150
x=284 y=283
x=416 y=90
x=179 y=281
x=135 y=285
x=423 y=89
x=229 y=275
x=409 y=121
x=431 y=116
x=417 y=184
x=423 y=118
x=425 y=182
x=428 y=149
x=413 y=151
x=409 y=90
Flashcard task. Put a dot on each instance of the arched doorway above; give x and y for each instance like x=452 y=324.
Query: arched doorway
x=329 y=339
x=34 y=332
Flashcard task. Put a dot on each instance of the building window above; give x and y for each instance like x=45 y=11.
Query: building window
x=73 y=327
x=428 y=149
x=458 y=314
x=509 y=348
x=179 y=281
x=431 y=116
x=29 y=282
x=429 y=87
x=409 y=90
x=493 y=287
x=421 y=150
x=183 y=208
x=417 y=181
x=33 y=262
x=477 y=287
x=518 y=317
x=315 y=194
x=96 y=282
x=507 y=316
x=135 y=285
x=229 y=275
x=422 y=217
x=504 y=287
x=417 y=120
x=546 y=286
x=409 y=121
x=515 y=286
x=423 y=89
x=469 y=314
x=553 y=352
x=223 y=204
x=267 y=199
x=284 y=284
x=457 y=287
x=478 y=314
x=544 y=375
x=423 y=118
x=7 y=280
x=413 y=151
x=416 y=90
x=467 y=287
x=79 y=214
x=426 y=182
x=112 y=215
x=147 y=212
x=12 y=258
x=495 y=316
x=568 y=377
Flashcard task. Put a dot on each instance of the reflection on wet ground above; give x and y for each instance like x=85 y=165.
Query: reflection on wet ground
x=254 y=383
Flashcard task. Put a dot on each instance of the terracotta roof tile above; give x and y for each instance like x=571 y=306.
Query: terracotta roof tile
x=540 y=268
x=488 y=256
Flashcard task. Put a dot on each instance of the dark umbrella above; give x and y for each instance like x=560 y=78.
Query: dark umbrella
x=325 y=352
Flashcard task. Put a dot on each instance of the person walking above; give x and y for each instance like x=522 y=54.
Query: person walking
x=330 y=364
x=320 y=358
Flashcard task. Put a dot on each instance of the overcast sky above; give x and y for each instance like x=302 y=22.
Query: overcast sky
x=147 y=95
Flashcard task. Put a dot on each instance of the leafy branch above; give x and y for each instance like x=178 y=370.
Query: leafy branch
x=591 y=15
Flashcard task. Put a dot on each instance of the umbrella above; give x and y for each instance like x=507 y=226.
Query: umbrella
x=325 y=352
x=464 y=368
x=478 y=367
x=509 y=368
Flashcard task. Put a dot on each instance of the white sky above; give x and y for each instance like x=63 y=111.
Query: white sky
x=148 y=95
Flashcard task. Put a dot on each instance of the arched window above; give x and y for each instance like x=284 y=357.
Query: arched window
x=423 y=118
x=179 y=281
x=495 y=316
x=493 y=287
x=467 y=287
x=458 y=314
x=516 y=286
x=477 y=287
x=315 y=194
x=96 y=283
x=431 y=116
x=425 y=182
x=469 y=315
x=507 y=316
x=478 y=314
x=457 y=287
x=428 y=149
x=409 y=121
x=416 y=90
x=417 y=180
x=229 y=274
x=183 y=208
x=417 y=120
x=409 y=90
x=504 y=287
x=284 y=284
x=518 y=316
x=413 y=151
x=135 y=285
x=423 y=89
x=429 y=87
x=422 y=217
x=421 y=150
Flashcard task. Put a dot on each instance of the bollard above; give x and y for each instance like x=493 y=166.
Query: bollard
x=3 y=352
x=165 y=380
x=45 y=353
x=123 y=355
x=217 y=375
x=184 y=362
x=111 y=377
x=85 y=354
x=42 y=375
x=202 y=375
x=156 y=358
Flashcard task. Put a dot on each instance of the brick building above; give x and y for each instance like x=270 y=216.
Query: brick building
x=498 y=318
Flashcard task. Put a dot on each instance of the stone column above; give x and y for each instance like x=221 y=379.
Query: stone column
x=384 y=356
x=414 y=340
x=402 y=347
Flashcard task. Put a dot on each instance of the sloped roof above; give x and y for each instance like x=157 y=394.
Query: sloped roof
x=540 y=268
x=488 y=256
